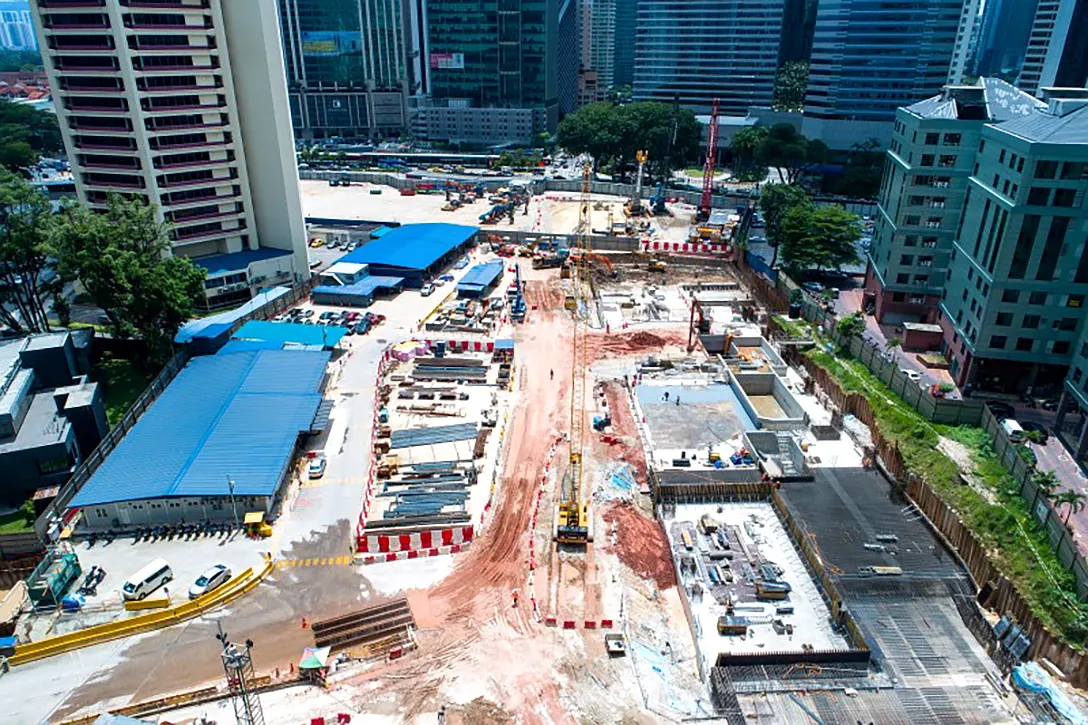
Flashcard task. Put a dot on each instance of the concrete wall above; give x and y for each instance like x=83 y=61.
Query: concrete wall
x=22 y=475
x=747 y=384
x=778 y=366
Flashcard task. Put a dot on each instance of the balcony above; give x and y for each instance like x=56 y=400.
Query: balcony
x=168 y=147
x=166 y=4
x=65 y=4
x=106 y=69
x=174 y=90
x=215 y=181
x=192 y=164
x=108 y=86
x=151 y=70
x=101 y=23
x=171 y=27
x=91 y=146
x=199 y=201
x=204 y=217
x=187 y=127
x=110 y=167
x=80 y=48
x=203 y=236
x=191 y=107
x=95 y=110
x=110 y=184
x=173 y=49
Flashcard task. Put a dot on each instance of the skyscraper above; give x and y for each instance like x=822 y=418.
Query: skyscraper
x=568 y=57
x=601 y=55
x=623 y=68
x=491 y=71
x=869 y=57
x=346 y=66
x=1003 y=37
x=194 y=122
x=1057 y=52
x=707 y=49
x=16 y=28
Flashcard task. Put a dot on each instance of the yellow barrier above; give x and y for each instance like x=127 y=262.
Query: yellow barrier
x=236 y=587
x=135 y=605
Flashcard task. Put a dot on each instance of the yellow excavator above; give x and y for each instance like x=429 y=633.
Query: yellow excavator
x=573 y=522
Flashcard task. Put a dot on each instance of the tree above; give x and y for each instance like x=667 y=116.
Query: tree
x=851 y=326
x=121 y=257
x=864 y=167
x=819 y=238
x=790 y=85
x=27 y=277
x=612 y=134
x=775 y=201
x=24 y=127
x=1074 y=502
x=743 y=147
x=786 y=150
x=20 y=60
x=1046 y=482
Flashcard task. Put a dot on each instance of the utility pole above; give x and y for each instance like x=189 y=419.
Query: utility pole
x=238 y=667
x=233 y=505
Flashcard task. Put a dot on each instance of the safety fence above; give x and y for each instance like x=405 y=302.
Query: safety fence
x=236 y=587
x=415 y=541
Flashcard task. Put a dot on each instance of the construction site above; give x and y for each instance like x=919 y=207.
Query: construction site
x=576 y=485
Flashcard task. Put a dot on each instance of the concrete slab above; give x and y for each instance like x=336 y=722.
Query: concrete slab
x=706 y=414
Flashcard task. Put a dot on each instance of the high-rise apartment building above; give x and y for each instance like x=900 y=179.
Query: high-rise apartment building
x=966 y=39
x=346 y=64
x=1074 y=398
x=1013 y=306
x=869 y=57
x=926 y=176
x=601 y=53
x=1057 y=51
x=490 y=71
x=1003 y=37
x=16 y=27
x=568 y=57
x=707 y=49
x=182 y=103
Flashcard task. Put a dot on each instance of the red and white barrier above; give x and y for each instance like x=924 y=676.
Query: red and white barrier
x=385 y=543
x=465 y=345
x=415 y=553
x=724 y=250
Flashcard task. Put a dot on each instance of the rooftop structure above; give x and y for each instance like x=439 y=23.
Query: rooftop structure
x=227 y=424
x=286 y=333
x=207 y=334
x=480 y=279
x=413 y=251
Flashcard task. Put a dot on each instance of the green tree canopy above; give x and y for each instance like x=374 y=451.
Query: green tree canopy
x=27 y=279
x=743 y=147
x=20 y=60
x=786 y=150
x=819 y=237
x=864 y=167
x=612 y=135
x=776 y=200
x=790 y=85
x=122 y=259
x=25 y=134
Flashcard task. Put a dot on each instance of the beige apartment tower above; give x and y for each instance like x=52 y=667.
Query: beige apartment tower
x=184 y=103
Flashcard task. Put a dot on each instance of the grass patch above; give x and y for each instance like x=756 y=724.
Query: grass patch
x=1014 y=538
x=696 y=171
x=15 y=523
x=794 y=329
x=123 y=383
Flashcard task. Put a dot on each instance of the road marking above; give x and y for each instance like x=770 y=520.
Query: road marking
x=318 y=561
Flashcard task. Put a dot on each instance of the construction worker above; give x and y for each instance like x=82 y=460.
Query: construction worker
x=515 y=598
x=551 y=374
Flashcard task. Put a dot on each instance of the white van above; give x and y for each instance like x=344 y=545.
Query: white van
x=1012 y=430
x=147 y=580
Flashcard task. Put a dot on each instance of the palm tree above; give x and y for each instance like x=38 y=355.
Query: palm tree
x=1045 y=484
x=1074 y=501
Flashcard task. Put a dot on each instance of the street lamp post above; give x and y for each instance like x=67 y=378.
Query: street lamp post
x=233 y=505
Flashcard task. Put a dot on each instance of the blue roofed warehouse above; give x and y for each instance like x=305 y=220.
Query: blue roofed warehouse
x=415 y=252
x=228 y=423
x=480 y=280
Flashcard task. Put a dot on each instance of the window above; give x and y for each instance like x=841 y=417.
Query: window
x=1076 y=375
x=1001 y=157
x=902 y=278
x=1037 y=196
x=952 y=139
x=898 y=296
x=53 y=465
x=906 y=260
x=1066 y=324
x=1046 y=169
x=1015 y=190
x=1061 y=347
x=997 y=342
x=910 y=241
x=1010 y=295
x=1063 y=197
x=924 y=180
x=921 y=279
x=964 y=295
x=1074 y=170
x=997 y=181
x=937 y=202
x=1012 y=161
x=1005 y=188
x=1003 y=319
x=1031 y=322
x=1075 y=301
x=1020 y=165
x=932 y=139
x=933 y=222
x=929 y=242
x=1037 y=298
x=927 y=159
x=925 y=261
x=912 y=220
x=1055 y=239
x=1023 y=344
x=947 y=161
x=917 y=299
x=942 y=182
x=915 y=200
x=981 y=146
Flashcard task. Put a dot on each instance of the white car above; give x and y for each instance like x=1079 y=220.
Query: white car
x=427 y=290
x=317 y=467
x=212 y=579
x=912 y=375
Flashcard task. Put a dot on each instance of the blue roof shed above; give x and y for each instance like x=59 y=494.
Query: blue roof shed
x=236 y=415
x=283 y=333
x=213 y=331
x=413 y=251
x=480 y=280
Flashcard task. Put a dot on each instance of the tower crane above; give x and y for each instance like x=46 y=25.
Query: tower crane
x=708 y=166
x=573 y=519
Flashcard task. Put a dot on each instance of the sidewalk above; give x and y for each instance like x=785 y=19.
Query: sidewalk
x=1053 y=456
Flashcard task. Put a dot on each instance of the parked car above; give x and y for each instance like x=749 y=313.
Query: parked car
x=446 y=278
x=1050 y=404
x=1031 y=426
x=147 y=580
x=362 y=327
x=317 y=466
x=461 y=263
x=1013 y=430
x=210 y=580
x=326 y=315
x=1000 y=410
x=912 y=375
x=813 y=287
x=427 y=290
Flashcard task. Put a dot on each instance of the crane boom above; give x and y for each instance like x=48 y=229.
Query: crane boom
x=708 y=165
x=572 y=525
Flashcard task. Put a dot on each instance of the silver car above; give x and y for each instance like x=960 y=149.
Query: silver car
x=210 y=580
